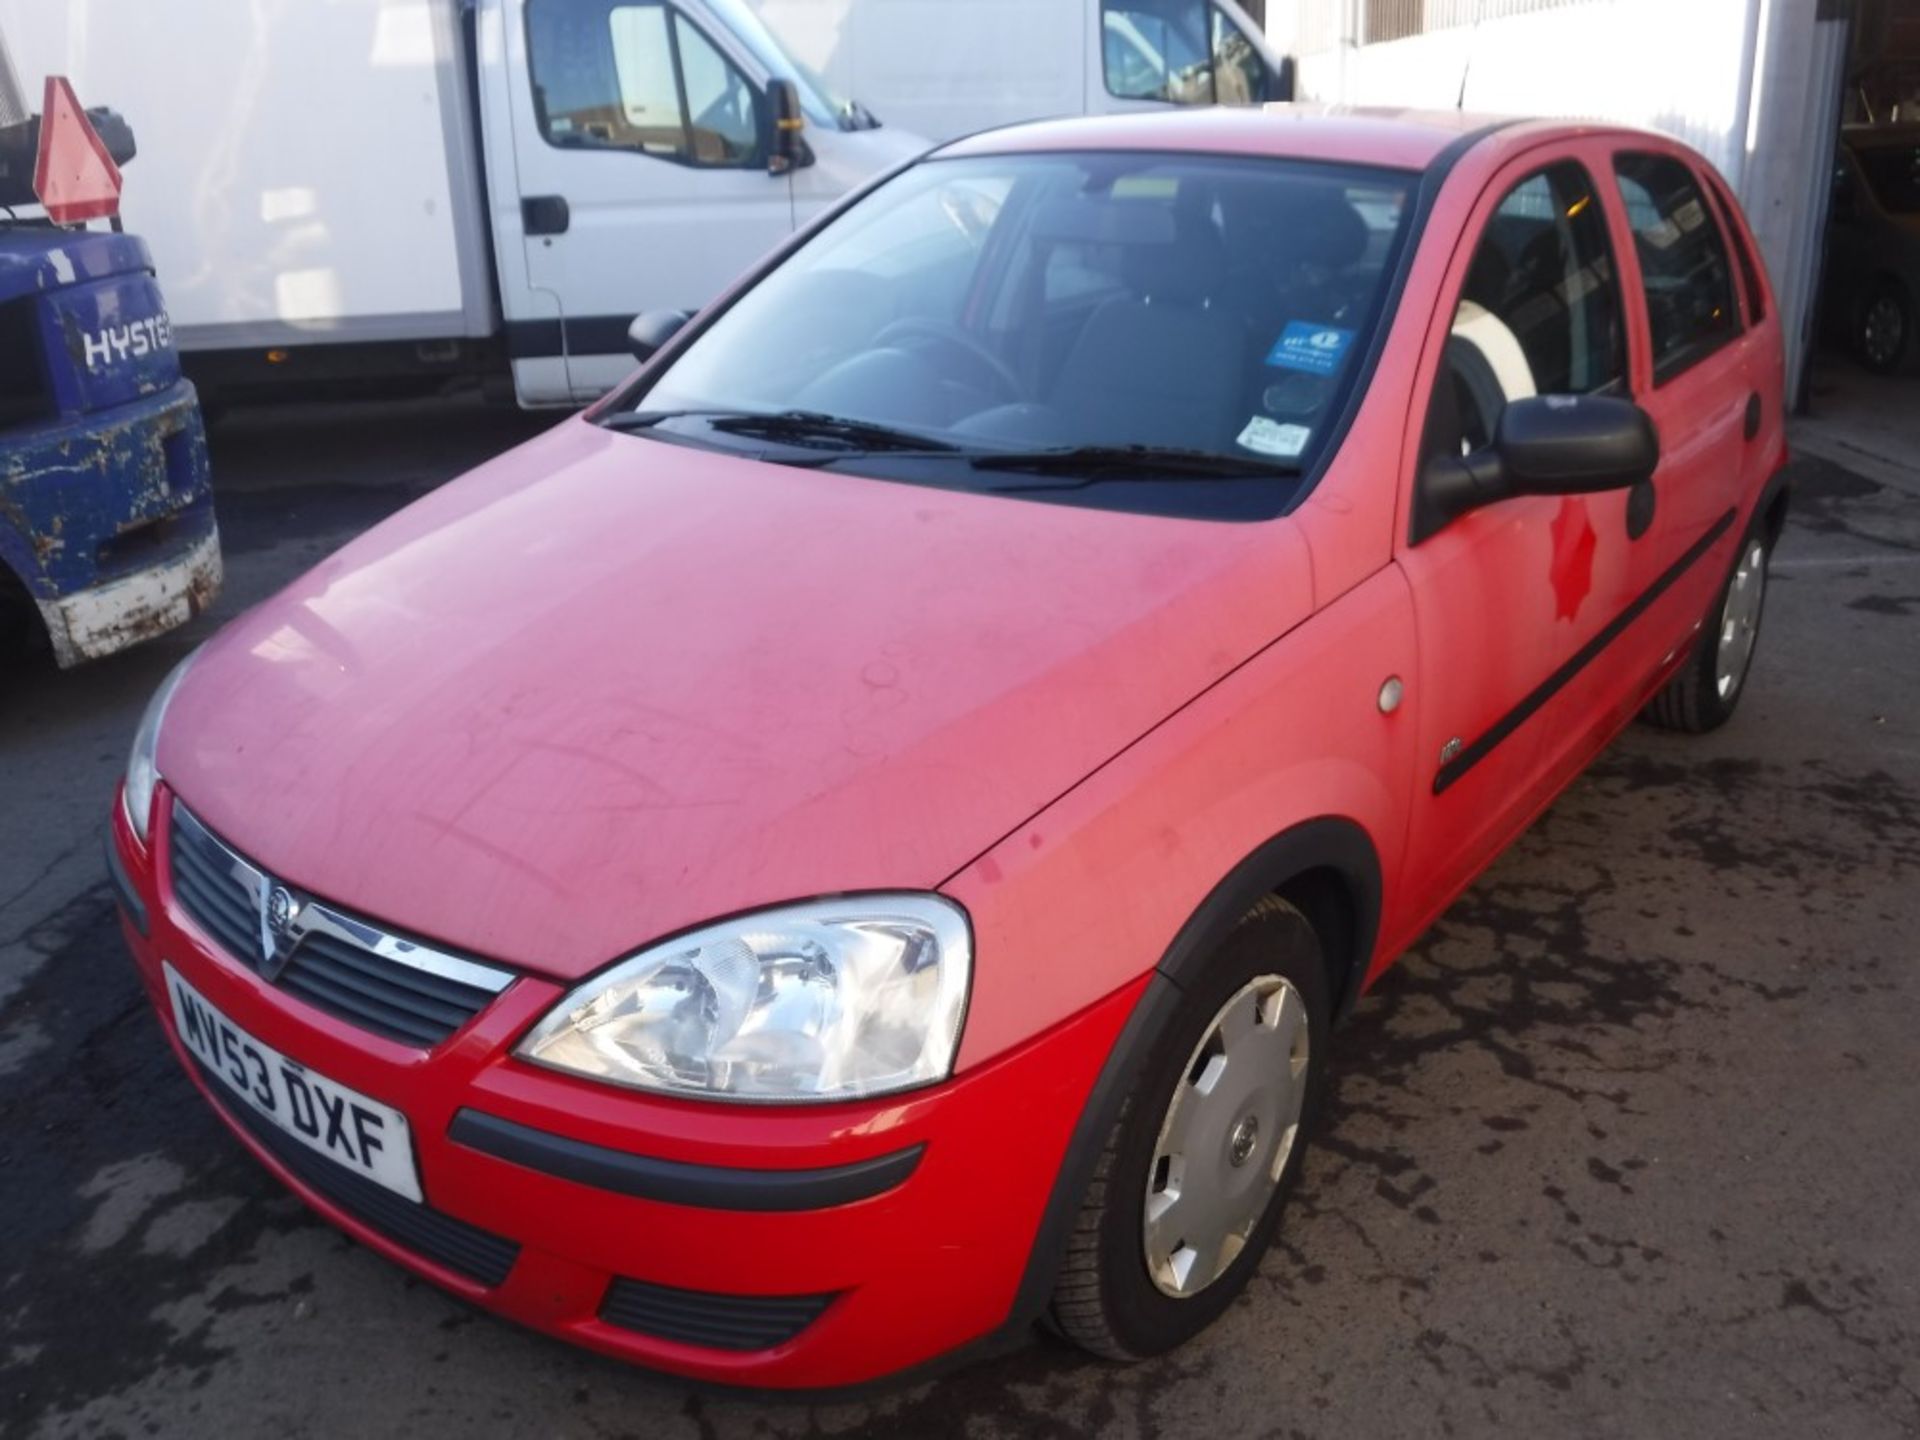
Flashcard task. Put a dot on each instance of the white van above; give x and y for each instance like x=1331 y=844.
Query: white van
x=945 y=68
x=384 y=193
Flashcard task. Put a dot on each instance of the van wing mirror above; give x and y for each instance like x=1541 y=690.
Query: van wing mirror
x=1280 y=80
x=787 y=147
x=1545 y=445
x=652 y=329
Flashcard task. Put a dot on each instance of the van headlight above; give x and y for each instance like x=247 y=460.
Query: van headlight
x=830 y=1000
x=142 y=776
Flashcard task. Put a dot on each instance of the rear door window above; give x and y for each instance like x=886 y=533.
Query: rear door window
x=1683 y=262
x=1893 y=172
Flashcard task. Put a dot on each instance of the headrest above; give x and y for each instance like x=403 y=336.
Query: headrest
x=1183 y=272
x=1297 y=223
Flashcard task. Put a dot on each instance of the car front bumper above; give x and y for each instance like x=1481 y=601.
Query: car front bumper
x=795 y=1247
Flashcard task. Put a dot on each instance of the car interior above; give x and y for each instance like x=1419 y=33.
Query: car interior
x=1087 y=302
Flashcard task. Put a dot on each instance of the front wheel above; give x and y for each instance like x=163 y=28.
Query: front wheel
x=1186 y=1196
x=1702 y=694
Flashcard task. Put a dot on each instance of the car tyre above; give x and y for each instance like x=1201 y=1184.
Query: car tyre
x=1883 y=332
x=1262 y=999
x=1704 y=692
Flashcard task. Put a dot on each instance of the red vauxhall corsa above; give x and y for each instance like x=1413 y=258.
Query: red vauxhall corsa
x=858 y=843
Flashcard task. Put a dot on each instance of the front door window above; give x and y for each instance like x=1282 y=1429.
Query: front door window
x=1179 y=52
x=638 y=77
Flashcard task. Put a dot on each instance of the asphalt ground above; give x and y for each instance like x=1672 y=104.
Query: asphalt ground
x=1625 y=1147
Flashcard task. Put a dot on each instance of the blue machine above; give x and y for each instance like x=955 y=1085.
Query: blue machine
x=106 y=506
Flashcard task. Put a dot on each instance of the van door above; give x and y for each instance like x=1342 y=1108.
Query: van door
x=640 y=139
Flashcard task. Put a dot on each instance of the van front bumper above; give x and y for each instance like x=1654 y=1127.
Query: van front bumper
x=803 y=1247
x=102 y=619
x=107 y=519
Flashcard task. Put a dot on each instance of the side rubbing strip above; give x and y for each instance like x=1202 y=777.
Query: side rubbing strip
x=1554 y=683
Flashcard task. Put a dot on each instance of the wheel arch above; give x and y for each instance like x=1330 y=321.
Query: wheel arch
x=1328 y=868
x=1886 y=278
x=21 y=623
x=1776 y=498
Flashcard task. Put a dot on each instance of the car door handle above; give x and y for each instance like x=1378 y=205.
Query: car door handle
x=545 y=214
x=1753 y=415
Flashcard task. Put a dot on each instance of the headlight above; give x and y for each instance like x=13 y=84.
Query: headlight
x=142 y=777
x=824 y=1001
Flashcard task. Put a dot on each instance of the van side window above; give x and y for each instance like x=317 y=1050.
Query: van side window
x=722 y=118
x=1239 y=74
x=640 y=77
x=649 y=109
x=1683 y=262
x=1539 y=313
x=1182 y=52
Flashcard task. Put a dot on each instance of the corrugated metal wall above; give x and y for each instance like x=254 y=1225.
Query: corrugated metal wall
x=1397 y=19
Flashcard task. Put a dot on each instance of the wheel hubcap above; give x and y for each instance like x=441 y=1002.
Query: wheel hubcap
x=1226 y=1136
x=1883 y=330
x=1740 y=621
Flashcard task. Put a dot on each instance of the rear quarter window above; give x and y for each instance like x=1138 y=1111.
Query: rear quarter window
x=1752 y=289
x=1684 y=267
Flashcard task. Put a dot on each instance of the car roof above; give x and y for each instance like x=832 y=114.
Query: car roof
x=1361 y=135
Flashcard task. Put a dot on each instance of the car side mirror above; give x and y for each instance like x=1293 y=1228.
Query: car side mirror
x=652 y=329
x=787 y=149
x=1545 y=445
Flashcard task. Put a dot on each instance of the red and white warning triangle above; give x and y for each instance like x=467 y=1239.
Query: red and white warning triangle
x=73 y=175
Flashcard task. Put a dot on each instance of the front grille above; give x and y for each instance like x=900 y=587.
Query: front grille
x=348 y=967
x=718 y=1322
x=480 y=1255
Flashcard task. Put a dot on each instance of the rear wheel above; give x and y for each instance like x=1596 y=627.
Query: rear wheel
x=1188 y=1191
x=1883 y=338
x=1702 y=694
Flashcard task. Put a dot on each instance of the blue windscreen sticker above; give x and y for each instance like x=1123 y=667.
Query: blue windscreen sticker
x=1311 y=349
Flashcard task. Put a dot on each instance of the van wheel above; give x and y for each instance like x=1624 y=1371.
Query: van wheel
x=1702 y=694
x=1188 y=1191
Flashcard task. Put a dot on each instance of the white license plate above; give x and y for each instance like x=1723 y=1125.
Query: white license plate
x=360 y=1133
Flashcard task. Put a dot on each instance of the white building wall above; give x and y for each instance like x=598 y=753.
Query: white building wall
x=1751 y=84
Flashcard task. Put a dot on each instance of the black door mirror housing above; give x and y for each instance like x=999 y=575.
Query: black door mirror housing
x=787 y=147
x=1545 y=445
x=1280 y=81
x=652 y=329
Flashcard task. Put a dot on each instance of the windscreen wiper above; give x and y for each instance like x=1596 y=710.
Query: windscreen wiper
x=796 y=427
x=1097 y=464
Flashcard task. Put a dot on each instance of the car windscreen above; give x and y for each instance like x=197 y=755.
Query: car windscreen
x=1893 y=174
x=1175 y=333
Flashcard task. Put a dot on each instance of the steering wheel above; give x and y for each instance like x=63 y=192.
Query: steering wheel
x=941 y=332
